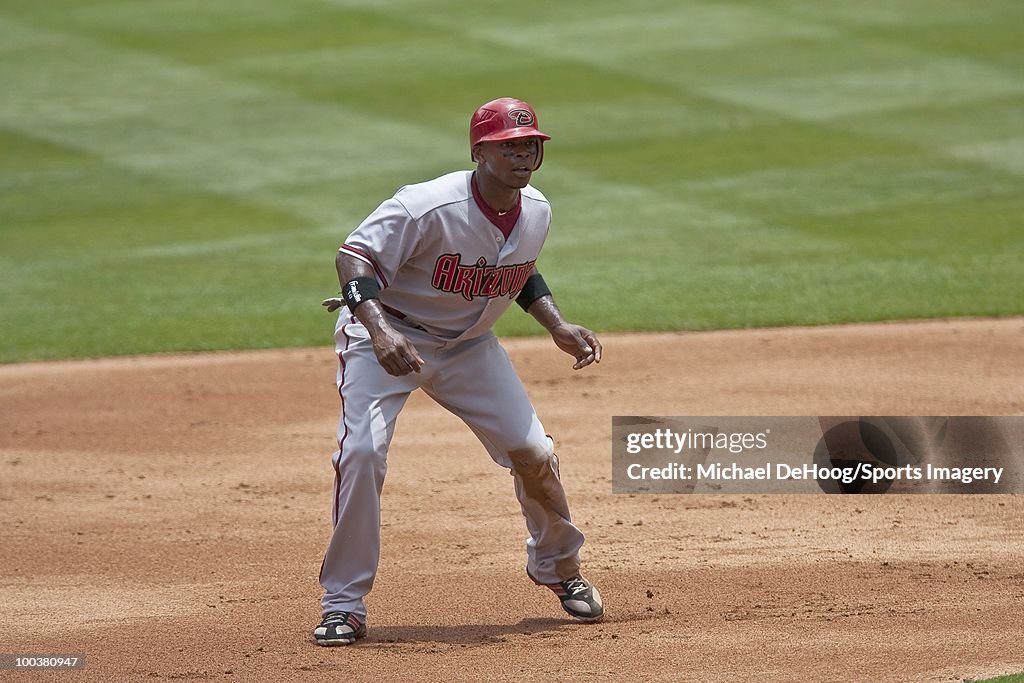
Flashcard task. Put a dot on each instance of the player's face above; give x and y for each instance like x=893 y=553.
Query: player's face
x=510 y=161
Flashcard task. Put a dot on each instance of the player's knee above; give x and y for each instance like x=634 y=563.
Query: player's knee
x=533 y=459
x=359 y=457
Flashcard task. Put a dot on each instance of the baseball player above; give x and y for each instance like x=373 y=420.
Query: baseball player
x=424 y=278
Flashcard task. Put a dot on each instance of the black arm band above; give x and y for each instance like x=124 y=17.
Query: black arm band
x=534 y=289
x=358 y=290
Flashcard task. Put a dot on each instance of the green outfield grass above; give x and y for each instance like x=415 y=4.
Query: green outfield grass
x=177 y=174
x=1013 y=678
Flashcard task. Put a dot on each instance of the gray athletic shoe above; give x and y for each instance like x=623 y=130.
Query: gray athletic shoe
x=579 y=598
x=339 y=628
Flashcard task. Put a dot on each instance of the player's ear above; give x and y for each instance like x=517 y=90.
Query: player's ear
x=475 y=153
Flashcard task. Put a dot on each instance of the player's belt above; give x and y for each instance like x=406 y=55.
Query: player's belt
x=401 y=316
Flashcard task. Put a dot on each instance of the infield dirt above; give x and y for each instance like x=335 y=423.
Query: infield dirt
x=165 y=517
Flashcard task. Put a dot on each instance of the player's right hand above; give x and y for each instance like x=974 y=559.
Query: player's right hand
x=396 y=353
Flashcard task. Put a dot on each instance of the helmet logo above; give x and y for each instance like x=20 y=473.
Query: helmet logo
x=522 y=117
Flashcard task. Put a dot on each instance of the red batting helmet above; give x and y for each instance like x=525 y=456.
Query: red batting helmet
x=504 y=119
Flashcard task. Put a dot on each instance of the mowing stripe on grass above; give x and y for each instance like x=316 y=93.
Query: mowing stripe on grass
x=851 y=186
x=933 y=81
x=1006 y=154
x=195 y=129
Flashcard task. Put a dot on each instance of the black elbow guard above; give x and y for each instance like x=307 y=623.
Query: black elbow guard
x=534 y=289
x=358 y=290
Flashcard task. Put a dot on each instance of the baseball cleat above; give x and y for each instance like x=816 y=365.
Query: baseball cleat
x=579 y=598
x=339 y=628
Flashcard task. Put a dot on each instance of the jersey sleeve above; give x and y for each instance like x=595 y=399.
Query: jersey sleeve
x=385 y=240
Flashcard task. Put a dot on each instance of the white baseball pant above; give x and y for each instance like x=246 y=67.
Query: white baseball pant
x=473 y=379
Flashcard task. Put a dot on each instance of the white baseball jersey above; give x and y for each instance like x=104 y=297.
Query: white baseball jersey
x=437 y=262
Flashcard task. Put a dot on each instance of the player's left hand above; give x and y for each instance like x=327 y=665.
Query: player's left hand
x=578 y=342
x=333 y=304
